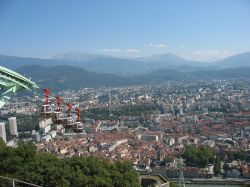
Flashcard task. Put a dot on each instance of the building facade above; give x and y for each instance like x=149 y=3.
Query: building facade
x=2 y=131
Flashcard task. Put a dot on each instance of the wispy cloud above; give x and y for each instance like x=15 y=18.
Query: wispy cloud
x=212 y=54
x=132 y=51
x=182 y=46
x=111 y=50
x=117 y=50
x=158 y=45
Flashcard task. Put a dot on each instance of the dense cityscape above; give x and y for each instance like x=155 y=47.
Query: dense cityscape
x=152 y=126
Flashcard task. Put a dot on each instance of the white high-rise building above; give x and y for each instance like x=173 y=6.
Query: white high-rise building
x=2 y=131
x=13 y=126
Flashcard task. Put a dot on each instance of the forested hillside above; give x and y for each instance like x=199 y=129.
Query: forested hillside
x=45 y=169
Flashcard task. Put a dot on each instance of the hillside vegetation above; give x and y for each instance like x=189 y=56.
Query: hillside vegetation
x=45 y=169
x=68 y=77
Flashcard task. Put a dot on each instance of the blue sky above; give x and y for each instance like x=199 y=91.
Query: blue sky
x=194 y=29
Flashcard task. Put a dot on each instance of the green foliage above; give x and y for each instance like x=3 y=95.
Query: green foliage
x=168 y=159
x=137 y=110
x=172 y=184
x=2 y=143
x=45 y=169
x=226 y=167
x=24 y=135
x=217 y=165
x=132 y=110
x=99 y=114
x=198 y=156
x=236 y=155
x=27 y=122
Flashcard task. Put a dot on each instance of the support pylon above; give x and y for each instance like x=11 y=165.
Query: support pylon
x=181 y=176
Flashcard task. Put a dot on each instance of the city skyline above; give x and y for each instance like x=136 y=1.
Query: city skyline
x=198 y=30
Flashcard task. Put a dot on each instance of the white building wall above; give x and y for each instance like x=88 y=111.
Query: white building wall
x=45 y=122
x=2 y=131
x=46 y=129
x=13 y=126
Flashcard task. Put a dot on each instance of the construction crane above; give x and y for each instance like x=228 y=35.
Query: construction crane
x=12 y=82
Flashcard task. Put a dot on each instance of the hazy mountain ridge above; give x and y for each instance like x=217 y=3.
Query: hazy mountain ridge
x=67 y=77
x=238 y=60
x=78 y=56
x=120 y=66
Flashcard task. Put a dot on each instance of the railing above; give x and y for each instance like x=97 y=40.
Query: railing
x=16 y=181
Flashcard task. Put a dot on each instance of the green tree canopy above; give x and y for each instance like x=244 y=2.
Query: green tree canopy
x=45 y=169
x=198 y=156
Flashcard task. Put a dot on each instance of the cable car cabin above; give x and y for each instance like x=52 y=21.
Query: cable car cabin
x=58 y=117
x=46 y=111
x=78 y=126
x=69 y=122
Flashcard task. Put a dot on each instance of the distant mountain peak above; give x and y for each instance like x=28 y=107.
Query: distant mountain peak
x=122 y=66
x=73 y=56
x=238 y=60
x=166 y=56
x=162 y=57
x=78 y=56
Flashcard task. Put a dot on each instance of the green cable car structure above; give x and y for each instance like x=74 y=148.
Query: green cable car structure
x=11 y=83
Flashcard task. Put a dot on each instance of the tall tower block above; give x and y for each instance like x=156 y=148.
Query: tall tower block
x=2 y=131
x=13 y=126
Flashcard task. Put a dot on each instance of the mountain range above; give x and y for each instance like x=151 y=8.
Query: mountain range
x=68 y=77
x=75 y=71
x=122 y=66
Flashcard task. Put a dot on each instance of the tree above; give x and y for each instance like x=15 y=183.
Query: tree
x=26 y=150
x=198 y=156
x=45 y=169
x=236 y=155
x=226 y=167
x=217 y=165
x=2 y=144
